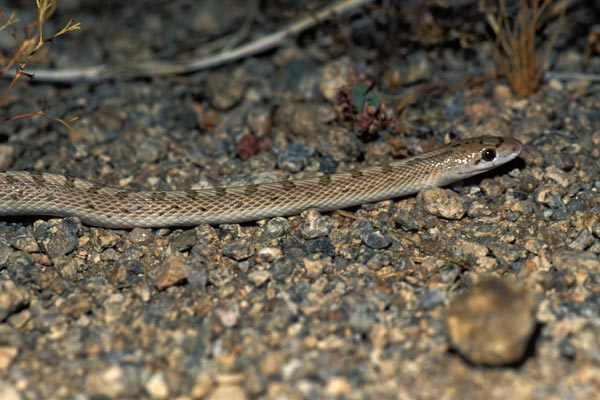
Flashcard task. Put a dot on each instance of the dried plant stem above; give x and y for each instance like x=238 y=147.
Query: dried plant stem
x=27 y=47
x=517 y=55
x=160 y=68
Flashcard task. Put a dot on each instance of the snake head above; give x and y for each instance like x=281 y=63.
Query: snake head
x=486 y=152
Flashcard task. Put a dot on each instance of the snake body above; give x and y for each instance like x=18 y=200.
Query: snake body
x=37 y=193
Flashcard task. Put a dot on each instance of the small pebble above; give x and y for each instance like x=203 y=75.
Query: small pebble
x=8 y=391
x=7 y=355
x=5 y=250
x=149 y=150
x=293 y=158
x=478 y=210
x=314 y=268
x=258 y=120
x=227 y=89
x=228 y=392
x=282 y=269
x=305 y=117
x=582 y=241
x=7 y=153
x=333 y=75
x=275 y=228
x=171 y=271
x=105 y=239
x=268 y=254
x=321 y=246
x=75 y=305
x=559 y=176
x=471 y=252
x=556 y=85
x=198 y=279
x=585 y=343
x=12 y=298
x=240 y=249
x=491 y=188
x=596 y=230
x=442 y=203
x=418 y=67
x=337 y=387
x=431 y=299
x=114 y=381
x=259 y=278
x=25 y=241
x=141 y=236
x=502 y=92
x=157 y=386
x=575 y=260
x=58 y=237
x=228 y=316
x=184 y=241
x=376 y=239
x=314 y=225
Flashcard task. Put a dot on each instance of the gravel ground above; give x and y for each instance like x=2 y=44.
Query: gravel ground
x=487 y=289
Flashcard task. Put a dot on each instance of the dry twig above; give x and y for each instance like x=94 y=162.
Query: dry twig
x=159 y=68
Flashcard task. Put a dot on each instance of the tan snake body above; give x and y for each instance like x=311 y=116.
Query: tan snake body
x=35 y=193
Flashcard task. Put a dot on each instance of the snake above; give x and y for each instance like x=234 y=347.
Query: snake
x=47 y=194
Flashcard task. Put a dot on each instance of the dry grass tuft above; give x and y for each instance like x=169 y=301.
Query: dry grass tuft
x=518 y=54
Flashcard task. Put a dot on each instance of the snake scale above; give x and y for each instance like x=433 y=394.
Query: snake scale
x=47 y=194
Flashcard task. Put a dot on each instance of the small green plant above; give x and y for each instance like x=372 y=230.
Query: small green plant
x=29 y=39
x=360 y=104
x=518 y=54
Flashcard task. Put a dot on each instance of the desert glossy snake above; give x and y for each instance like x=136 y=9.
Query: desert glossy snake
x=35 y=193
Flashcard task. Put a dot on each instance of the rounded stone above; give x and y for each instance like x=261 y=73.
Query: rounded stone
x=493 y=322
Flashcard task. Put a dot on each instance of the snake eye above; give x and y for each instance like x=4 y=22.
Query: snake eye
x=488 y=154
